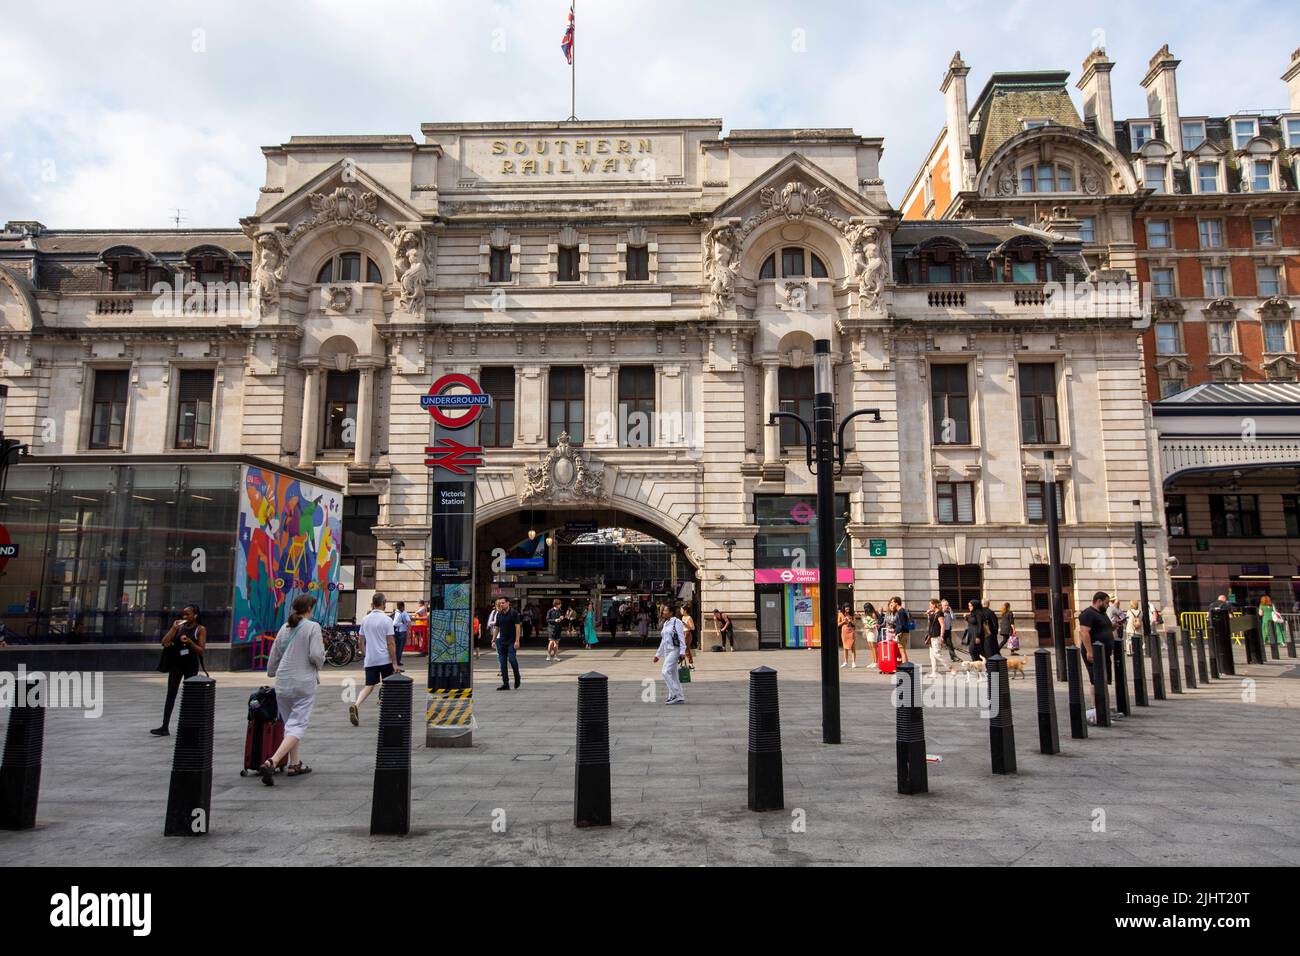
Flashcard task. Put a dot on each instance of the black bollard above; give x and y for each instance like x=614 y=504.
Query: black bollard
x=766 y=785
x=1157 y=670
x=1273 y=650
x=1175 y=681
x=1002 y=733
x=1100 y=693
x=1189 y=666
x=1254 y=641
x=1139 y=674
x=1201 y=667
x=1121 y=680
x=1290 y=642
x=1049 y=737
x=1074 y=677
x=591 y=803
x=189 y=798
x=909 y=724
x=390 y=804
x=1214 y=667
x=20 y=773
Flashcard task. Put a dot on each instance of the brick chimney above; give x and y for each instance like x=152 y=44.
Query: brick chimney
x=960 y=159
x=1292 y=79
x=1095 y=86
x=1161 y=84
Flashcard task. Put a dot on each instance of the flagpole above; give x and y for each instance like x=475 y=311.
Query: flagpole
x=573 y=65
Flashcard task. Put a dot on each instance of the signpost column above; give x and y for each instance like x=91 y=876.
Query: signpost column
x=455 y=402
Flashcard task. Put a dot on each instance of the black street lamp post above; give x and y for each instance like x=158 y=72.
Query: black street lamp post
x=826 y=463
x=1054 y=564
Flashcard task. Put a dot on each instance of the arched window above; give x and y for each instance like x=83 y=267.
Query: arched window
x=346 y=267
x=795 y=263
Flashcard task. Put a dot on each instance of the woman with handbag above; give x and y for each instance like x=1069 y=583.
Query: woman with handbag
x=296 y=659
x=1006 y=626
x=1132 y=625
x=972 y=639
x=1272 y=629
x=848 y=636
x=182 y=654
x=672 y=644
x=871 y=627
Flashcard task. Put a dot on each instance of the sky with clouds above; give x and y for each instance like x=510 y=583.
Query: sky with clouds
x=114 y=114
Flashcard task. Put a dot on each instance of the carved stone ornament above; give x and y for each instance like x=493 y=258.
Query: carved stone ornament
x=870 y=268
x=794 y=200
x=1092 y=183
x=1275 y=307
x=343 y=206
x=270 y=264
x=722 y=265
x=563 y=475
x=1007 y=183
x=796 y=296
x=1222 y=309
x=337 y=298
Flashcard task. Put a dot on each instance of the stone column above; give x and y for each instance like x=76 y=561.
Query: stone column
x=771 y=403
x=365 y=416
x=310 y=414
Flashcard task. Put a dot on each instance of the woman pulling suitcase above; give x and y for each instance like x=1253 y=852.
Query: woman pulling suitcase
x=296 y=659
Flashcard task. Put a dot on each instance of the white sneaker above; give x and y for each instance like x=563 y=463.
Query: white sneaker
x=844 y=663
x=855 y=665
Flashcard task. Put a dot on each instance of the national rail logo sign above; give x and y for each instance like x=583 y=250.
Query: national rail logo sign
x=455 y=409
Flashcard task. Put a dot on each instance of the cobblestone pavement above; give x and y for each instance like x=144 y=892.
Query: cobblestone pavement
x=1208 y=777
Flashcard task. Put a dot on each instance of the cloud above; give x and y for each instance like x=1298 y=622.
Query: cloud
x=115 y=114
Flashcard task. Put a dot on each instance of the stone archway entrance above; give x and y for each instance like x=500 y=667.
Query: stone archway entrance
x=610 y=559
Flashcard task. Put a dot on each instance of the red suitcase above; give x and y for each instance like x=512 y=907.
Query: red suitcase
x=888 y=652
x=263 y=739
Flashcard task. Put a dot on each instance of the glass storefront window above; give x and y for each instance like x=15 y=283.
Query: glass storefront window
x=793 y=523
x=111 y=553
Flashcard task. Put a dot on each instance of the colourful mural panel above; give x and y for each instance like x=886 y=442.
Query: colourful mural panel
x=801 y=625
x=289 y=537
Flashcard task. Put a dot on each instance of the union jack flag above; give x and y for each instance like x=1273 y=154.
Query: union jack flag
x=567 y=43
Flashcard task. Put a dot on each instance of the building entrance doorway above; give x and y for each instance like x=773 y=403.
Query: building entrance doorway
x=614 y=565
x=1041 y=591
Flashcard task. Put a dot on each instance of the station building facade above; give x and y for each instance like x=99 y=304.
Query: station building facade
x=637 y=296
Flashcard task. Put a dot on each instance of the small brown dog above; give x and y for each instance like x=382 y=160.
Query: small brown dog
x=1016 y=665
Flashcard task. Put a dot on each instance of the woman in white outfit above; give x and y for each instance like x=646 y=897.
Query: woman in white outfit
x=296 y=659
x=672 y=641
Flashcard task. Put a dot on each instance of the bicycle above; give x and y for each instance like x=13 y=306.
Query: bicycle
x=340 y=647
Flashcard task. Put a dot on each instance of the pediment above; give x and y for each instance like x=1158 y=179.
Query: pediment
x=795 y=188
x=341 y=192
x=1172 y=363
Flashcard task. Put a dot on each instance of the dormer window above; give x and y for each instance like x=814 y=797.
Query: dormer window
x=1292 y=129
x=1140 y=134
x=1243 y=131
x=346 y=267
x=1153 y=177
x=1193 y=134
x=1207 y=177
x=794 y=264
x=1261 y=176
x=1035 y=123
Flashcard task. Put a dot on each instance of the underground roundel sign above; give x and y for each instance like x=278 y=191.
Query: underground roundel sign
x=455 y=401
x=7 y=548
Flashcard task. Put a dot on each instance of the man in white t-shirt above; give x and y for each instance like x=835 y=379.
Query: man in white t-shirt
x=380 y=651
